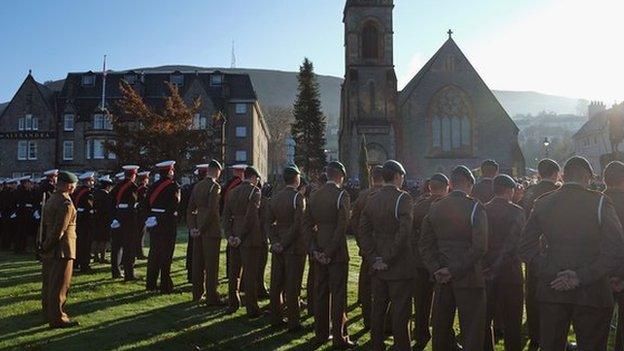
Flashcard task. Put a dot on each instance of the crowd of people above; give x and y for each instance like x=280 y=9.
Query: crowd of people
x=486 y=249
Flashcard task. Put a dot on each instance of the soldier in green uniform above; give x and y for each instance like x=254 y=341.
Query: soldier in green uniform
x=452 y=244
x=58 y=251
x=585 y=246
x=482 y=191
x=386 y=244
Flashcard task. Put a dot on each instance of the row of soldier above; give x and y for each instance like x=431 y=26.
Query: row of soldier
x=464 y=250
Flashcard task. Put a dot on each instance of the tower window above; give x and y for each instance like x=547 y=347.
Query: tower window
x=370 y=41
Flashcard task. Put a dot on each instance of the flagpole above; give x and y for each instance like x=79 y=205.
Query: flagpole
x=104 y=83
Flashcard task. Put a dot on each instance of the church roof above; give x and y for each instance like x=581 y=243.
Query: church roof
x=600 y=122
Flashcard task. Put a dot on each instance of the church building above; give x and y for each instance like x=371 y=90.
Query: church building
x=446 y=115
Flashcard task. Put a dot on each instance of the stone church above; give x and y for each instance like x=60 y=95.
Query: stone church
x=446 y=115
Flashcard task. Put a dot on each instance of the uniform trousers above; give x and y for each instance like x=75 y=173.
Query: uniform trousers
x=330 y=284
x=57 y=275
x=205 y=268
x=310 y=286
x=509 y=298
x=162 y=245
x=189 y=258
x=423 y=298
x=364 y=292
x=128 y=231
x=250 y=258
x=397 y=294
x=532 y=306
x=264 y=258
x=471 y=305
x=286 y=278
x=591 y=325
x=116 y=252
x=619 y=333
x=84 y=238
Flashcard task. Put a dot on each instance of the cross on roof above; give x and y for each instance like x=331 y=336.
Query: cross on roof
x=450 y=33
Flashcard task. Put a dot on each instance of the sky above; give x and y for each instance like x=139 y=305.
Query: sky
x=571 y=48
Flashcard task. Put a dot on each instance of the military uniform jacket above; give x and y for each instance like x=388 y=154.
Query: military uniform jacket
x=483 y=190
x=105 y=209
x=421 y=209
x=125 y=198
x=534 y=192
x=358 y=208
x=59 y=223
x=326 y=221
x=386 y=230
x=202 y=211
x=583 y=234
x=454 y=235
x=84 y=201
x=241 y=214
x=284 y=221
x=8 y=203
x=45 y=187
x=26 y=201
x=163 y=199
x=506 y=221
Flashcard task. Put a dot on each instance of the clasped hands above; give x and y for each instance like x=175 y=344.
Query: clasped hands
x=379 y=264
x=194 y=233
x=442 y=275
x=321 y=258
x=234 y=241
x=566 y=280
x=277 y=248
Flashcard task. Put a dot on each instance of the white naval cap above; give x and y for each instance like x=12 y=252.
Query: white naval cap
x=87 y=175
x=240 y=166
x=130 y=168
x=51 y=172
x=25 y=178
x=105 y=179
x=120 y=175
x=165 y=165
x=144 y=174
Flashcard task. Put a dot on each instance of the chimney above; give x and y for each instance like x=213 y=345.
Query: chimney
x=594 y=108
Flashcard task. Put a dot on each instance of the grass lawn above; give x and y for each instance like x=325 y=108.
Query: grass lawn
x=114 y=315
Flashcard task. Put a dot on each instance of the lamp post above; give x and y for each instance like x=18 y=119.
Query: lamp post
x=546 y=145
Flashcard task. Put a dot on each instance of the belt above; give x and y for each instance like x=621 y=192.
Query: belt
x=80 y=209
x=122 y=206
x=28 y=205
x=159 y=210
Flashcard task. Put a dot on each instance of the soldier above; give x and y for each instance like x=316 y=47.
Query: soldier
x=326 y=224
x=84 y=201
x=186 y=191
x=437 y=187
x=267 y=192
x=549 y=174
x=143 y=183
x=482 y=191
x=163 y=198
x=25 y=226
x=105 y=208
x=204 y=224
x=7 y=206
x=502 y=267
x=242 y=225
x=585 y=245
x=284 y=221
x=364 y=277
x=452 y=244
x=385 y=240
x=236 y=180
x=59 y=251
x=125 y=224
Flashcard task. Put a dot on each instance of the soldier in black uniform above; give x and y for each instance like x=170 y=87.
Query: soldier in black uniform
x=25 y=228
x=124 y=225
x=105 y=209
x=143 y=184
x=163 y=198
x=7 y=208
x=84 y=201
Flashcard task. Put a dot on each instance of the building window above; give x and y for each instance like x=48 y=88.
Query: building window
x=241 y=109
x=21 y=123
x=98 y=149
x=112 y=155
x=32 y=150
x=199 y=122
x=216 y=80
x=177 y=79
x=88 y=80
x=28 y=122
x=450 y=123
x=68 y=150
x=22 y=150
x=130 y=78
x=241 y=156
x=241 y=132
x=68 y=123
x=88 y=148
x=370 y=41
x=102 y=122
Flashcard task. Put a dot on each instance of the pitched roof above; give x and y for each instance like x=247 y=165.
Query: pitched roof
x=599 y=122
x=47 y=95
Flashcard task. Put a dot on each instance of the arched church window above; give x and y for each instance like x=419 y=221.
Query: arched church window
x=450 y=123
x=370 y=41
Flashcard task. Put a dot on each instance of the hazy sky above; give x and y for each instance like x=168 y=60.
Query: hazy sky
x=565 y=47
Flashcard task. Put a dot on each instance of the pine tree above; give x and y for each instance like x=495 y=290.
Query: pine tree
x=308 y=131
x=364 y=169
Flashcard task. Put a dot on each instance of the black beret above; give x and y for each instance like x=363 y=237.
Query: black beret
x=335 y=165
x=505 y=181
x=578 y=162
x=292 y=169
x=67 y=177
x=394 y=166
x=614 y=173
x=377 y=171
x=251 y=170
x=489 y=163
x=215 y=164
x=439 y=177
x=464 y=172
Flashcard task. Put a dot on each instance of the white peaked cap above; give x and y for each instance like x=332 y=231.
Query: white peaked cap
x=119 y=175
x=87 y=175
x=51 y=172
x=144 y=174
x=130 y=168
x=105 y=179
x=24 y=178
x=240 y=166
x=165 y=164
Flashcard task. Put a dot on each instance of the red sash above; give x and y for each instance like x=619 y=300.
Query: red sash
x=121 y=192
x=79 y=196
x=159 y=189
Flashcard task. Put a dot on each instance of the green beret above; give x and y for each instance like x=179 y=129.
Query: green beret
x=292 y=169
x=251 y=170
x=439 y=177
x=505 y=181
x=578 y=162
x=335 y=165
x=614 y=173
x=394 y=166
x=465 y=172
x=67 y=177
x=215 y=164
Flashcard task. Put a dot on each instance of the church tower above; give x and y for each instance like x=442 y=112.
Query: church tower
x=369 y=92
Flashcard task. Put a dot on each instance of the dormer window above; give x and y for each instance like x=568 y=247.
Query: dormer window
x=177 y=79
x=216 y=79
x=130 y=78
x=88 y=80
x=102 y=122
